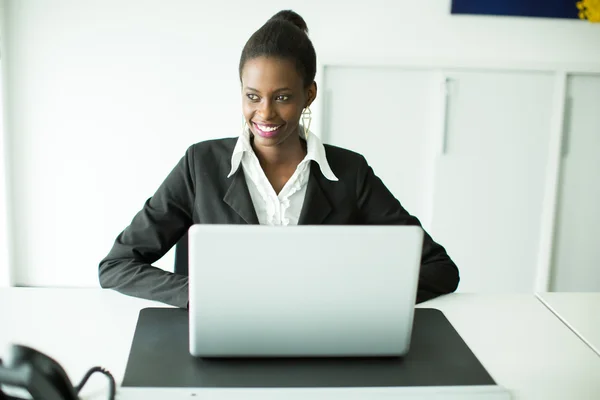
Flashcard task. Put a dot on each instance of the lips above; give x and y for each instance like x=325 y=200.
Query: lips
x=267 y=130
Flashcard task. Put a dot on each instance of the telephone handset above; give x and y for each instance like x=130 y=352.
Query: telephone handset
x=28 y=374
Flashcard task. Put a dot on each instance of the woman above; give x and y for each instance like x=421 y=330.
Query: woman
x=275 y=173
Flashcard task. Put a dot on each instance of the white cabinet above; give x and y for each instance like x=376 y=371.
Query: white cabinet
x=576 y=261
x=476 y=180
x=383 y=113
x=489 y=182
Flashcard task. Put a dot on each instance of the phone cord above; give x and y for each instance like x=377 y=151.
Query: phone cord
x=111 y=379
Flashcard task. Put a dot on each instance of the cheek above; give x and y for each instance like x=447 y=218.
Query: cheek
x=290 y=113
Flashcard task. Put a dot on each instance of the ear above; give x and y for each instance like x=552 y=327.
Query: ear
x=311 y=93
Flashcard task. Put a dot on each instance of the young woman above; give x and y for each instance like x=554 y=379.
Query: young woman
x=275 y=173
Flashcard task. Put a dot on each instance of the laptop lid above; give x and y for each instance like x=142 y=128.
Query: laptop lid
x=302 y=291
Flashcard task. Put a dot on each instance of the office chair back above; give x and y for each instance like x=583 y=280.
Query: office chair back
x=181 y=256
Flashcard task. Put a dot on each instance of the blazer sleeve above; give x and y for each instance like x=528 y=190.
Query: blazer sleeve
x=157 y=227
x=378 y=206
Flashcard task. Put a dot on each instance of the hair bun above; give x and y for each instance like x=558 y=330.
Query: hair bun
x=291 y=16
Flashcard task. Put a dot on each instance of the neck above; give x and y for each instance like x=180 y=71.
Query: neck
x=289 y=153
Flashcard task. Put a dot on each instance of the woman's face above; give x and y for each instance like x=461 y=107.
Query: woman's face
x=273 y=97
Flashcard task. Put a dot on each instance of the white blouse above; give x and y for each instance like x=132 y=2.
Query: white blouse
x=283 y=208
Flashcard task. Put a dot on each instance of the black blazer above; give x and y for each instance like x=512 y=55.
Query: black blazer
x=197 y=191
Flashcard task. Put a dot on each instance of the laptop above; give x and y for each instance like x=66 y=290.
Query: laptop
x=302 y=291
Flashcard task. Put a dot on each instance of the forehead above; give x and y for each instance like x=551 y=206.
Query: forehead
x=270 y=73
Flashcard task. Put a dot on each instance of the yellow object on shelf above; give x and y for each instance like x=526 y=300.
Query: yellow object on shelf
x=589 y=9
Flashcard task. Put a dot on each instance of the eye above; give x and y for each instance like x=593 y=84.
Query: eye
x=252 y=96
x=282 y=97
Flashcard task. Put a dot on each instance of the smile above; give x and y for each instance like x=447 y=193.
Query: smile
x=267 y=130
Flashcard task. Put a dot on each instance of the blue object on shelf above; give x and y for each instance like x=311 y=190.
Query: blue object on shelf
x=520 y=8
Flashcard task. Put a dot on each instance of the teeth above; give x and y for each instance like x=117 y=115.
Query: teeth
x=268 y=129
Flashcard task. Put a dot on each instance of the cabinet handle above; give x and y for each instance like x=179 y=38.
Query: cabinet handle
x=566 y=131
x=445 y=111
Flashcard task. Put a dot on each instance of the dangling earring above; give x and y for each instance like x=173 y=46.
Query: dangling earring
x=306 y=120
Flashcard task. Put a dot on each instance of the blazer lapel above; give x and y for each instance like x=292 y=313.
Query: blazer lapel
x=238 y=198
x=316 y=205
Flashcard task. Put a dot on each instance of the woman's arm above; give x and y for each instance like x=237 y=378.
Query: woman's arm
x=156 y=228
x=378 y=206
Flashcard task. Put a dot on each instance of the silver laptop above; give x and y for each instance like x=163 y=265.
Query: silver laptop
x=302 y=291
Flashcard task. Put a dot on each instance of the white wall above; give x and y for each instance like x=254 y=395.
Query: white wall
x=105 y=96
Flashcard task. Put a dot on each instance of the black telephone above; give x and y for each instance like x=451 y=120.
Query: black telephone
x=28 y=374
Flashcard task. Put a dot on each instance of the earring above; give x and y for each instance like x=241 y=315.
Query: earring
x=306 y=120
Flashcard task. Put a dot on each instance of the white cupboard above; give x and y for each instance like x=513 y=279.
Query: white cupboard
x=464 y=150
x=576 y=258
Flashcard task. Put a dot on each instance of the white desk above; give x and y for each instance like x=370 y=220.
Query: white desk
x=520 y=342
x=79 y=328
x=580 y=312
x=523 y=346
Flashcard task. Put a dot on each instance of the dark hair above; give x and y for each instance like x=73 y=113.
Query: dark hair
x=284 y=35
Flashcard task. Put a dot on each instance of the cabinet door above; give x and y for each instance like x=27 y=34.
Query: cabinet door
x=489 y=181
x=383 y=113
x=576 y=265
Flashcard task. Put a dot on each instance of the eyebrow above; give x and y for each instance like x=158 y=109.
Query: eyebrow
x=277 y=90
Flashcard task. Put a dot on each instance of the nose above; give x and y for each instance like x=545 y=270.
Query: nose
x=266 y=110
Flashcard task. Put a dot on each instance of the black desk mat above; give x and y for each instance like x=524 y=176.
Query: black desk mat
x=438 y=356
